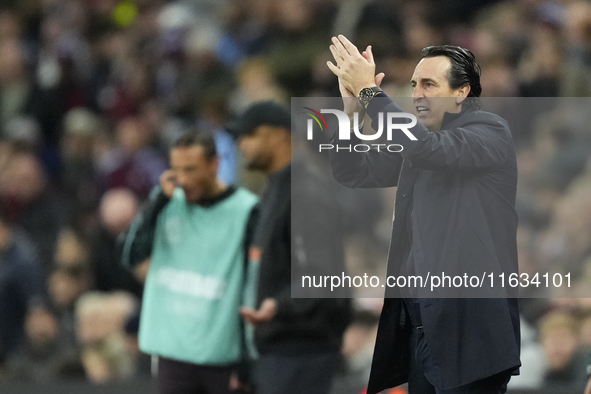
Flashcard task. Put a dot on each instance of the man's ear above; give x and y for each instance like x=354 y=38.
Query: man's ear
x=462 y=93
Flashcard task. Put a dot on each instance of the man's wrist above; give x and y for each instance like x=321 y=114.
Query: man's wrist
x=367 y=94
x=368 y=85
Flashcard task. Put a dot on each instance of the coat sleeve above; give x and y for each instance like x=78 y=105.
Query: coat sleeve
x=135 y=246
x=376 y=168
x=482 y=143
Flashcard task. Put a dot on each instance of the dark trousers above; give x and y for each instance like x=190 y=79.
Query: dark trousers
x=420 y=361
x=176 y=377
x=310 y=373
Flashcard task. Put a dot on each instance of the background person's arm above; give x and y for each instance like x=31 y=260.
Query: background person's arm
x=136 y=244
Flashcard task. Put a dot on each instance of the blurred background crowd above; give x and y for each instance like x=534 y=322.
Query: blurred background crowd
x=92 y=93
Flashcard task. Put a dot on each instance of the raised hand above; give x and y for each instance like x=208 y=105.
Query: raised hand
x=354 y=69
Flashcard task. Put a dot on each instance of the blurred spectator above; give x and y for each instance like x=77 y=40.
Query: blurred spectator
x=24 y=133
x=28 y=199
x=107 y=360
x=212 y=115
x=566 y=240
x=10 y=25
x=20 y=285
x=585 y=330
x=244 y=31
x=121 y=82
x=77 y=174
x=100 y=315
x=117 y=209
x=577 y=50
x=63 y=57
x=298 y=37
x=42 y=357
x=14 y=83
x=2 y=367
x=132 y=163
x=154 y=118
x=533 y=361
x=541 y=65
x=100 y=326
x=70 y=278
x=203 y=73
x=256 y=82
x=20 y=94
x=566 y=363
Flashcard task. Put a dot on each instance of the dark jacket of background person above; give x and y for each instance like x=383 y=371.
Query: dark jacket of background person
x=141 y=248
x=20 y=286
x=41 y=214
x=109 y=275
x=302 y=325
x=460 y=184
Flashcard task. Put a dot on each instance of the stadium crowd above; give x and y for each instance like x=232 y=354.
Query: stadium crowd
x=93 y=93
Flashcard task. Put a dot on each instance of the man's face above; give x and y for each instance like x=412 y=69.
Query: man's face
x=432 y=95
x=193 y=171
x=256 y=148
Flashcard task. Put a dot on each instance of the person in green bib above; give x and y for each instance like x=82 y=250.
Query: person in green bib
x=193 y=232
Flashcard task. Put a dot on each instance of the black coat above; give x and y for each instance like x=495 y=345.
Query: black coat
x=302 y=325
x=455 y=205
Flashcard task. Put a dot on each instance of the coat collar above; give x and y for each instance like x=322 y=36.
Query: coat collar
x=449 y=117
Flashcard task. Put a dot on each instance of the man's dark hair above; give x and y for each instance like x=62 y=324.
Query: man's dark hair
x=464 y=69
x=198 y=138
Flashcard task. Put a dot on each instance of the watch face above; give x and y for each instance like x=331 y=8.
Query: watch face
x=365 y=94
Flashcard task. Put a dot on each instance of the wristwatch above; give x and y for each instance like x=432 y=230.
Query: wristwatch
x=366 y=94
